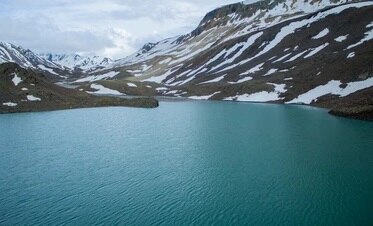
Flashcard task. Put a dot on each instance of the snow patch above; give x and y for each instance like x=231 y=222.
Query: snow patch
x=353 y=87
x=341 y=38
x=282 y=58
x=103 y=90
x=162 y=89
x=130 y=84
x=351 y=55
x=248 y=78
x=94 y=78
x=173 y=92
x=368 y=36
x=262 y=96
x=316 y=50
x=165 y=61
x=203 y=97
x=271 y=71
x=42 y=67
x=160 y=78
x=33 y=98
x=254 y=69
x=296 y=56
x=214 y=80
x=10 y=104
x=16 y=80
x=332 y=87
x=250 y=41
x=322 y=33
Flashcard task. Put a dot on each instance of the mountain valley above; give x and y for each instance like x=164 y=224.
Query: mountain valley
x=316 y=53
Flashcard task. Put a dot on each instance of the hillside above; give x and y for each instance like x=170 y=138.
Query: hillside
x=294 y=52
x=23 y=90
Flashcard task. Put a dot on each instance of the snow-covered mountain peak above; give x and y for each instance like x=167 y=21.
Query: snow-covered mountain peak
x=76 y=61
x=24 y=57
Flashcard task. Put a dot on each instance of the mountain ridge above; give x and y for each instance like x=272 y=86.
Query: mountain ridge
x=78 y=62
x=321 y=58
x=10 y=53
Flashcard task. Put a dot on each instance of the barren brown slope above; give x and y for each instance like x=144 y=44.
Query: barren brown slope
x=23 y=90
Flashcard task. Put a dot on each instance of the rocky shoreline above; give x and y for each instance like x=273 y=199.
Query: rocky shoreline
x=86 y=103
x=361 y=113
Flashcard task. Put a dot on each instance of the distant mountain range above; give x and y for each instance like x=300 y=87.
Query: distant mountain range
x=78 y=62
x=317 y=52
x=62 y=65
x=28 y=59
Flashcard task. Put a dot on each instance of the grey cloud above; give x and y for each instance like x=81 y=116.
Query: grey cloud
x=89 y=26
x=41 y=35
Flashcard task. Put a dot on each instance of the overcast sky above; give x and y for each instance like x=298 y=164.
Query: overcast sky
x=114 y=28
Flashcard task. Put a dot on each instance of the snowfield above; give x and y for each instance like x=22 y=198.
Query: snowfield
x=368 y=37
x=10 y=104
x=103 y=90
x=203 y=97
x=94 y=78
x=332 y=87
x=351 y=55
x=130 y=84
x=316 y=50
x=248 y=78
x=33 y=98
x=262 y=96
x=16 y=79
x=254 y=69
x=214 y=80
x=341 y=38
x=271 y=71
x=296 y=56
x=44 y=68
x=322 y=34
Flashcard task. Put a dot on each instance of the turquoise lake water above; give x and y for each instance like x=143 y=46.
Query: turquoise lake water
x=186 y=163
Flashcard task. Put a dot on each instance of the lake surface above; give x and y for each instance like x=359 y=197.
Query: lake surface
x=186 y=163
